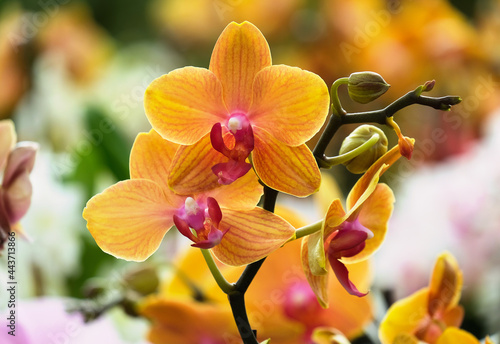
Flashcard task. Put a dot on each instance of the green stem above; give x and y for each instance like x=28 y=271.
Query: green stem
x=309 y=229
x=335 y=121
x=377 y=116
x=340 y=159
x=336 y=107
x=225 y=286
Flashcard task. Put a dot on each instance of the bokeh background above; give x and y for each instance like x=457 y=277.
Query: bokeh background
x=72 y=78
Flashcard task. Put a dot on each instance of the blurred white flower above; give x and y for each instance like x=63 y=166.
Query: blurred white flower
x=454 y=206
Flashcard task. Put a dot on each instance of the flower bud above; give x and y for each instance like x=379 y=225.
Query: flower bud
x=365 y=87
x=144 y=280
x=359 y=136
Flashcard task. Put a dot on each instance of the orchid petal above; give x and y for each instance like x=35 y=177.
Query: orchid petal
x=151 y=157
x=252 y=235
x=291 y=170
x=5 y=225
x=318 y=283
x=191 y=173
x=191 y=167
x=454 y=316
x=244 y=193
x=8 y=139
x=183 y=105
x=325 y=335
x=346 y=240
x=445 y=285
x=453 y=335
x=316 y=247
x=342 y=275
x=404 y=316
x=230 y=171
x=239 y=54
x=182 y=321
x=21 y=158
x=316 y=254
x=183 y=227
x=289 y=103
x=406 y=338
x=129 y=219
x=374 y=215
x=17 y=197
x=373 y=173
x=335 y=216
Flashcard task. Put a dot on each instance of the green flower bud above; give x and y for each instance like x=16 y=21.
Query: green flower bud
x=359 y=136
x=365 y=87
x=144 y=280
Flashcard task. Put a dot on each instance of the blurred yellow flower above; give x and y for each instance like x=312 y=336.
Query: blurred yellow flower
x=427 y=313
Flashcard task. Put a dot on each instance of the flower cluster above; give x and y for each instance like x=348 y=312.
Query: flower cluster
x=222 y=138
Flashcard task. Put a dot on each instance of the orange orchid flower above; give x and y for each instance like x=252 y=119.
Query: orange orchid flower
x=15 y=190
x=427 y=314
x=278 y=301
x=188 y=322
x=269 y=111
x=130 y=218
x=352 y=236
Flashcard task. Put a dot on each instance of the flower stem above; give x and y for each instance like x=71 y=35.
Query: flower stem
x=376 y=116
x=225 y=286
x=309 y=229
x=335 y=121
x=340 y=159
x=237 y=295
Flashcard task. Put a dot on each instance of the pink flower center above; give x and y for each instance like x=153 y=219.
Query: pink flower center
x=300 y=302
x=236 y=166
x=348 y=241
x=200 y=222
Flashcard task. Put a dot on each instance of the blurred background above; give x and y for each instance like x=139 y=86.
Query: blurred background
x=72 y=78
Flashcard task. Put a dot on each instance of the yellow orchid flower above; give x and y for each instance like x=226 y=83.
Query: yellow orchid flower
x=352 y=236
x=329 y=336
x=269 y=112
x=429 y=312
x=16 y=163
x=130 y=218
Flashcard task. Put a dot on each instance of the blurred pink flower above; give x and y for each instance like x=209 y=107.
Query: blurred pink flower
x=46 y=321
x=16 y=162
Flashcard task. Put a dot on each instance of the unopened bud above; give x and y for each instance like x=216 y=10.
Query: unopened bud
x=365 y=87
x=144 y=280
x=359 y=136
x=406 y=145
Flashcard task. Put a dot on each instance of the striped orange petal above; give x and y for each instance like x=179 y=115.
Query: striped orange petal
x=291 y=170
x=239 y=54
x=289 y=103
x=252 y=235
x=129 y=219
x=184 y=104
